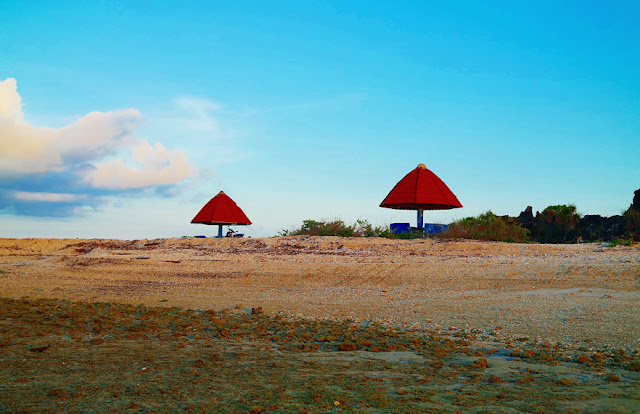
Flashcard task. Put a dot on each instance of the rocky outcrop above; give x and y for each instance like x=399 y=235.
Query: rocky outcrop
x=596 y=227
x=559 y=224
x=632 y=216
x=526 y=218
x=635 y=205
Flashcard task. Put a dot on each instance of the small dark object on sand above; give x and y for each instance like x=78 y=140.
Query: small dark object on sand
x=39 y=348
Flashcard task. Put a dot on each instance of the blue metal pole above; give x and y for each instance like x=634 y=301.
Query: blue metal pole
x=420 y=221
x=219 y=231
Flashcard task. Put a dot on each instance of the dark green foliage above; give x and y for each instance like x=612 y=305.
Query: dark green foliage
x=563 y=213
x=558 y=224
x=488 y=226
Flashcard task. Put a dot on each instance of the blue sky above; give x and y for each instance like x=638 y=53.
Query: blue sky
x=121 y=119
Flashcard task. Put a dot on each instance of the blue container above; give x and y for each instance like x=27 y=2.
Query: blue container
x=397 y=228
x=432 y=228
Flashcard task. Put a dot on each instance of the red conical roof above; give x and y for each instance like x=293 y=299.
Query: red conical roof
x=221 y=209
x=421 y=189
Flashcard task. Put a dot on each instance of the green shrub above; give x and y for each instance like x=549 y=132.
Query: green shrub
x=361 y=228
x=488 y=226
x=565 y=215
x=365 y=229
x=623 y=242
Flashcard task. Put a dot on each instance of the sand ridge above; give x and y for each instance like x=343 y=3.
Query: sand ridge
x=586 y=294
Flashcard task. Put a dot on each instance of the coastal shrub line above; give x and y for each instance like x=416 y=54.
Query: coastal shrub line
x=488 y=226
x=555 y=224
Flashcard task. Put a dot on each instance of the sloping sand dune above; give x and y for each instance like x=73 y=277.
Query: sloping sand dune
x=587 y=293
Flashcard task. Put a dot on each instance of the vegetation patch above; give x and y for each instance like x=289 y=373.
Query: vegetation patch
x=488 y=226
x=361 y=228
x=61 y=356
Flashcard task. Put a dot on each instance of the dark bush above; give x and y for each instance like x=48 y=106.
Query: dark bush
x=488 y=226
x=558 y=224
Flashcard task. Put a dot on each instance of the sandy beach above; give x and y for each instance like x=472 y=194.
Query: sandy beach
x=586 y=294
x=308 y=324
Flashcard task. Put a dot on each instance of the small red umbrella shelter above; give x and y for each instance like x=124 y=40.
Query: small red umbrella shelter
x=223 y=211
x=421 y=190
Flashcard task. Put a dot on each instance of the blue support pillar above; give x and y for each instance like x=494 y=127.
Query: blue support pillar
x=219 y=231
x=420 y=221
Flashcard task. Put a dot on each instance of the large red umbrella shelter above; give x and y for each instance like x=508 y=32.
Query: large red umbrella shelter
x=221 y=210
x=421 y=190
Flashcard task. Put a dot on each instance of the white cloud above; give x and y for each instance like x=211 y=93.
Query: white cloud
x=10 y=103
x=158 y=166
x=46 y=197
x=25 y=149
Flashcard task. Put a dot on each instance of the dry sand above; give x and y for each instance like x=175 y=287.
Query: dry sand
x=586 y=294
